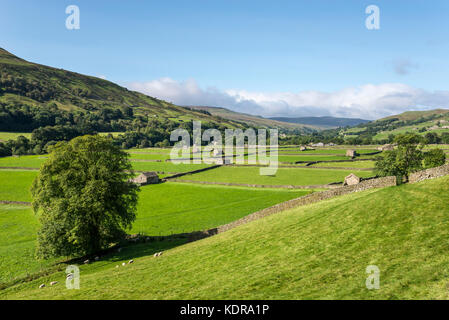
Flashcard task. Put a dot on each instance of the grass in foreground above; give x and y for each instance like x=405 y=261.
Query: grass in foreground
x=163 y=209
x=18 y=227
x=319 y=251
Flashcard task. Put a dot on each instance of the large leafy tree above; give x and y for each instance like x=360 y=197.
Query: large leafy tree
x=434 y=158
x=83 y=196
x=405 y=159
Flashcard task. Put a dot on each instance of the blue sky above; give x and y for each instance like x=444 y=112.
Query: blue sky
x=267 y=57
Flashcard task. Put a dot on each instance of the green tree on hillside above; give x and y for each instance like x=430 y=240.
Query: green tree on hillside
x=83 y=196
x=408 y=157
x=405 y=159
x=434 y=158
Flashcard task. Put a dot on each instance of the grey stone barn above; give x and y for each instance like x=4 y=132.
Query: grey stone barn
x=351 y=180
x=351 y=153
x=146 y=178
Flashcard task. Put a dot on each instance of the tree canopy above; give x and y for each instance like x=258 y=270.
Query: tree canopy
x=83 y=197
x=408 y=157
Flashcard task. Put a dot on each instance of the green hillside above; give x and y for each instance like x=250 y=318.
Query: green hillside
x=318 y=251
x=255 y=121
x=419 y=122
x=32 y=84
x=414 y=115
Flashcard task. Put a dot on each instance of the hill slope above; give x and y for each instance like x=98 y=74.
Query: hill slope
x=319 y=251
x=23 y=82
x=323 y=122
x=420 y=122
x=252 y=120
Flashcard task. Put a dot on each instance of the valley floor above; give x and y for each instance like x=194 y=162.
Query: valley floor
x=319 y=251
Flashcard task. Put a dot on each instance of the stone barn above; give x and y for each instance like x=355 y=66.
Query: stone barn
x=350 y=153
x=387 y=147
x=350 y=180
x=146 y=178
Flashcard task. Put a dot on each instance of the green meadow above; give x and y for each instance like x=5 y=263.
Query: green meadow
x=284 y=176
x=318 y=251
x=15 y=184
x=23 y=161
x=18 y=227
x=170 y=208
x=5 y=136
x=349 y=164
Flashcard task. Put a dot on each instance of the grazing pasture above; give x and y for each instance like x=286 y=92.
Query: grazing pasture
x=349 y=164
x=18 y=227
x=284 y=176
x=163 y=209
x=167 y=167
x=5 y=136
x=318 y=251
x=15 y=184
x=179 y=207
x=23 y=161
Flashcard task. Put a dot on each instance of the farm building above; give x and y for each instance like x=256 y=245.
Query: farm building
x=146 y=178
x=319 y=144
x=350 y=153
x=386 y=147
x=351 y=180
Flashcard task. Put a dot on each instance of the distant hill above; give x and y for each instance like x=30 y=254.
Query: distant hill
x=35 y=85
x=323 y=122
x=253 y=120
x=419 y=122
x=414 y=115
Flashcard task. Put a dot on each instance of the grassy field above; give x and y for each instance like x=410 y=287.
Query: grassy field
x=149 y=156
x=349 y=164
x=284 y=176
x=23 y=161
x=178 y=207
x=167 y=166
x=324 y=151
x=163 y=209
x=36 y=161
x=293 y=159
x=318 y=251
x=18 y=227
x=15 y=184
x=5 y=136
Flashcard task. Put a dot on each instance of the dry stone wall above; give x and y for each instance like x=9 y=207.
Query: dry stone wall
x=429 y=174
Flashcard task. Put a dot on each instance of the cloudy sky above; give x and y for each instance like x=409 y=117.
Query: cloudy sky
x=266 y=57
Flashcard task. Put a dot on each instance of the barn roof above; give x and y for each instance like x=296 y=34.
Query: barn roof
x=150 y=174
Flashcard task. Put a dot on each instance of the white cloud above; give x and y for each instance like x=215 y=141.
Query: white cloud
x=366 y=101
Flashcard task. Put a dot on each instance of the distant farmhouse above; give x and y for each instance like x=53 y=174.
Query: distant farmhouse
x=146 y=178
x=350 y=153
x=350 y=180
x=386 y=147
